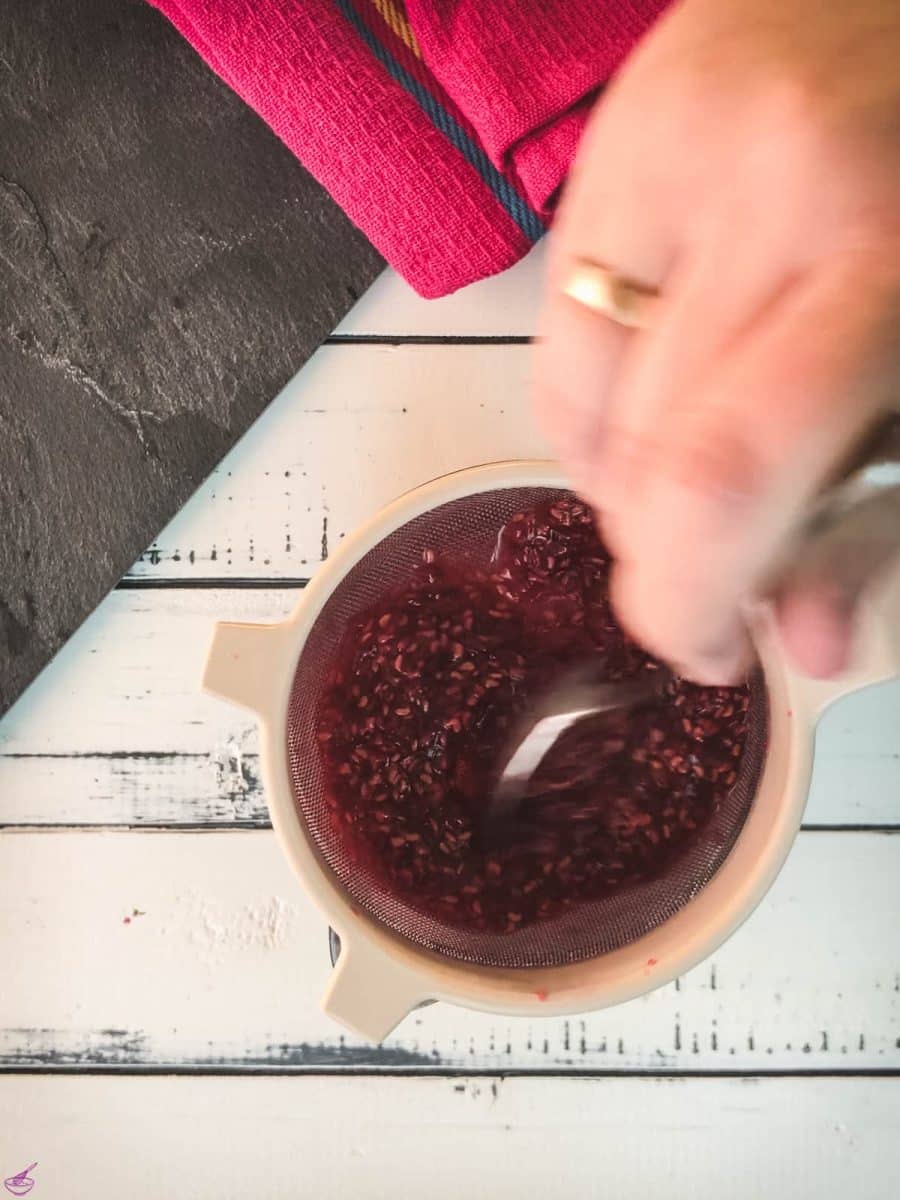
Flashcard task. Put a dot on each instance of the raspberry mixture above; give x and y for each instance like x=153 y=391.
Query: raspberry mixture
x=415 y=723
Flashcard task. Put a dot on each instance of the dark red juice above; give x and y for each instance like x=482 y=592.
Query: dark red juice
x=417 y=717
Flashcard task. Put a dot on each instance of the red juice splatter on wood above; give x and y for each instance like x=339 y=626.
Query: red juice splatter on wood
x=419 y=708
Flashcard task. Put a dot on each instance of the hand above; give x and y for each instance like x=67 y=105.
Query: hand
x=747 y=164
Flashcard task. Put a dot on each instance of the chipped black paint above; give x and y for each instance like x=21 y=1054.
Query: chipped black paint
x=231 y=794
x=325 y=1055
x=56 y=1050
x=53 y=1049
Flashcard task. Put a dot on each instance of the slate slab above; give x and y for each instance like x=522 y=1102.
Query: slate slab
x=166 y=266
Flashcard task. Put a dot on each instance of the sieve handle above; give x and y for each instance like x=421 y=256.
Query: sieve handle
x=370 y=993
x=249 y=664
x=876 y=651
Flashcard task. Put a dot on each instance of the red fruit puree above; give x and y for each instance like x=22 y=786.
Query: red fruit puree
x=416 y=719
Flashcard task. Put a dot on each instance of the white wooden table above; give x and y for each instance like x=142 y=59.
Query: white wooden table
x=159 y=1024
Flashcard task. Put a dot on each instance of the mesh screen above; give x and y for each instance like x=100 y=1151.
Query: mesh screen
x=466 y=531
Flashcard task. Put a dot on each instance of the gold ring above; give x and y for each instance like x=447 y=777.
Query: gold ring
x=605 y=291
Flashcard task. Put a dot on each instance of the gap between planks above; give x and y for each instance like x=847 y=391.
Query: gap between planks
x=152 y=583
x=171 y=953
x=235 y=1071
x=426 y=339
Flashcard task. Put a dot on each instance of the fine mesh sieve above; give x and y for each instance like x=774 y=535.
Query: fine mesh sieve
x=465 y=530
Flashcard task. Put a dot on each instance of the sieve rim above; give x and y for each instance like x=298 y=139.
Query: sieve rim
x=674 y=946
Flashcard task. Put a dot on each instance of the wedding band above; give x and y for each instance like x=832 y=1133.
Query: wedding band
x=603 y=290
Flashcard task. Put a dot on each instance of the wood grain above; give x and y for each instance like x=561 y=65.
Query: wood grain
x=177 y=951
x=378 y=1139
x=119 y=732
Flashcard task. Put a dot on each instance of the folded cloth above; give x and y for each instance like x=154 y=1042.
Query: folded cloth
x=443 y=128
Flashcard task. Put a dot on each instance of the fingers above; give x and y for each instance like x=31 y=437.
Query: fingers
x=716 y=485
x=575 y=367
x=701 y=442
x=712 y=299
x=579 y=353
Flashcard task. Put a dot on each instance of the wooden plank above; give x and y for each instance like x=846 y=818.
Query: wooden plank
x=377 y=1139
x=353 y=430
x=135 y=668
x=506 y=305
x=178 y=951
x=221 y=789
x=119 y=733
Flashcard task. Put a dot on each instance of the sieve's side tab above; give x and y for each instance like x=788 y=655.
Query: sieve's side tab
x=247 y=663
x=369 y=992
x=876 y=650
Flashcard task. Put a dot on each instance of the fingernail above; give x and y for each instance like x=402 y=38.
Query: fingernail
x=718 y=673
x=720 y=663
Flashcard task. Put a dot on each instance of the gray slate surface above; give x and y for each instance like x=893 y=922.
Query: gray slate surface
x=165 y=267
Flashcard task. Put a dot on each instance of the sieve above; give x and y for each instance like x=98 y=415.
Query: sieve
x=395 y=957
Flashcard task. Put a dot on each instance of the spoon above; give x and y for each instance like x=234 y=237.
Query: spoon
x=572 y=697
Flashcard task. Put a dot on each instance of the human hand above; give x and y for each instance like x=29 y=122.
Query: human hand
x=747 y=164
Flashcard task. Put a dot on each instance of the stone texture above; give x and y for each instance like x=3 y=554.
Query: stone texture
x=166 y=266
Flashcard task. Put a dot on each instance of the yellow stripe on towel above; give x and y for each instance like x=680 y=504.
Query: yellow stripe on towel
x=396 y=21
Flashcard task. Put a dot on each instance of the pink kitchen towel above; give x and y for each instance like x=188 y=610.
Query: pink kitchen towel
x=443 y=128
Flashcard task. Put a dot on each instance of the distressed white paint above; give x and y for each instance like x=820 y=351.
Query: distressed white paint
x=390 y=1139
x=130 y=678
x=218 y=789
x=357 y=427
x=504 y=305
x=221 y=961
x=102 y=732
x=226 y=964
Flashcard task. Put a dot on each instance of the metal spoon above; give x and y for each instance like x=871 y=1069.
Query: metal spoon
x=575 y=695
x=866 y=492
